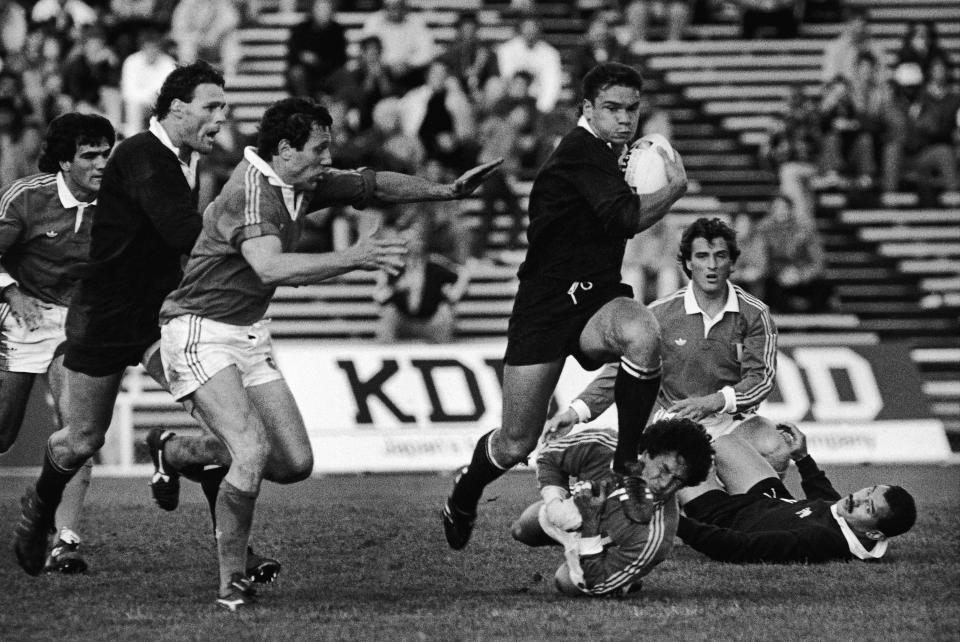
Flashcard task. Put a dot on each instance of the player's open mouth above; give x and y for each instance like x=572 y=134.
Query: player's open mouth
x=850 y=504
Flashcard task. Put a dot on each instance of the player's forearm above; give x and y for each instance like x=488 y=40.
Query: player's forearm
x=393 y=187
x=304 y=269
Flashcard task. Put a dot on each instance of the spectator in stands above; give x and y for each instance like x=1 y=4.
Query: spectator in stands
x=408 y=45
x=600 y=45
x=141 y=77
x=91 y=76
x=770 y=18
x=840 y=54
x=441 y=115
x=528 y=51
x=419 y=303
x=42 y=82
x=920 y=46
x=19 y=142
x=791 y=258
x=368 y=81
x=13 y=29
x=847 y=141
x=127 y=18
x=470 y=59
x=922 y=135
x=316 y=52
x=63 y=17
x=638 y=14
x=207 y=30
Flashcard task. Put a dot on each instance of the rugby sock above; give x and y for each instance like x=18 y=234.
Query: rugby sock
x=481 y=472
x=68 y=512
x=635 y=393
x=234 y=518
x=53 y=479
x=210 y=484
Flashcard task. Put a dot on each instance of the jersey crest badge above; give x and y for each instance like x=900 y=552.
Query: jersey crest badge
x=804 y=512
x=680 y=342
x=51 y=234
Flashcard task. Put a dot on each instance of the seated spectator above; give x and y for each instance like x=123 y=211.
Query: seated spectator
x=13 y=29
x=141 y=76
x=793 y=144
x=920 y=46
x=470 y=60
x=127 y=18
x=790 y=259
x=921 y=138
x=368 y=81
x=847 y=141
x=639 y=14
x=840 y=55
x=408 y=45
x=42 y=64
x=441 y=115
x=600 y=45
x=91 y=76
x=19 y=142
x=529 y=52
x=207 y=30
x=770 y=18
x=384 y=144
x=420 y=302
x=63 y=17
x=316 y=52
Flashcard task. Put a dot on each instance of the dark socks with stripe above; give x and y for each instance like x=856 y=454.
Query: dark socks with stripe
x=481 y=472
x=53 y=479
x=635 y=393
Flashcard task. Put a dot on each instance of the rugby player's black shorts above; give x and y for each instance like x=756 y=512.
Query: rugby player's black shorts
x=719 y=508
x=549 y=316
x=100 y=344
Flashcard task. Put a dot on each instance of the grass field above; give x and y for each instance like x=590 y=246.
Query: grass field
x=365 y=559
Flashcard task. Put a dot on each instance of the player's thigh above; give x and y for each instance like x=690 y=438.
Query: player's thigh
x=622 y=327
x=762 y=434
x=739 y=466
x=286 y=432
x=226 y=409
x=15 y=390
x=527 y=391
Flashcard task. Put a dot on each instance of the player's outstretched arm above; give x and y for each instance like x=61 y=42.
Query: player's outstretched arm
x=379 y=250
x=393 y=187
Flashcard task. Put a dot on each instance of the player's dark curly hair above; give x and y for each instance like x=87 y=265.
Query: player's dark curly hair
x=68 y=132
x=182 y=82
x=903 y=512
x=606 y=75
x=685 y=437
x=292 y=120
x=709 y=229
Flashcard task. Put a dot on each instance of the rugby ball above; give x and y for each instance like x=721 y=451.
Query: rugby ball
x=645 y=171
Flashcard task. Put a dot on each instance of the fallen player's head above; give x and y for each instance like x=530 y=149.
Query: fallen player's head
x=878 y=512
x=676 y=453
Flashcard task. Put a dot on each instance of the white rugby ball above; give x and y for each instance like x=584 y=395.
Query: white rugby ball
x=646 y=172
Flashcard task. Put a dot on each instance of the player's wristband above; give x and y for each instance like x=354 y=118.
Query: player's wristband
x=582 y=411
x=6 y=281
x=590 y=546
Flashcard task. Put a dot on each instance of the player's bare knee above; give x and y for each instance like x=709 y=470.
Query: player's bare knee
x=561 y=579
x=511 y=452
x=639 y=338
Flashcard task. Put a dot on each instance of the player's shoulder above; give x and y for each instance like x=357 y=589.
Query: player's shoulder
x=750 y=303
x=25 y=187
x=665 y=303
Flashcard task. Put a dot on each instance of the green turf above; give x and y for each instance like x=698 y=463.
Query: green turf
x=365 y=560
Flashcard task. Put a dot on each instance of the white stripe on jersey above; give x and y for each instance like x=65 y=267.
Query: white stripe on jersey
x=22 y=185
x=655 y=540
x=251 y=193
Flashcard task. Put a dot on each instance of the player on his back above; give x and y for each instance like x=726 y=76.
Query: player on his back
x=719 y=343
x=45 y=224
x=571 y=300
x=753 y=518
x=215 y=345
x=607 y=553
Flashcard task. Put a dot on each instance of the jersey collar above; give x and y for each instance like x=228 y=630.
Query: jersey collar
x=69 y=201
x=291 y=199
x=853 y=542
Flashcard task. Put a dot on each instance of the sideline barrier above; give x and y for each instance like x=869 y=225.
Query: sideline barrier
x=415 y=407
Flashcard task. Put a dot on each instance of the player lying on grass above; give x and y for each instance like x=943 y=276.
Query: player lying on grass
x=755 y=519
x=607 y=553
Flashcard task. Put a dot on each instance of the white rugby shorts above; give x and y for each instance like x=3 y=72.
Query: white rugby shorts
x=23 y=350
x=193 y=349
x=716 y=424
